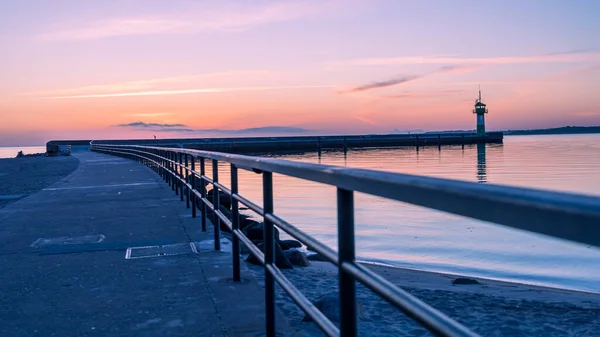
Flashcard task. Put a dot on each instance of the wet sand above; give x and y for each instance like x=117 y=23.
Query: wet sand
x=20 y=177
x=491 y=308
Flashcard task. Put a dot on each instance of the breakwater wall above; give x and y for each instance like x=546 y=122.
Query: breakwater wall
x=304 y=143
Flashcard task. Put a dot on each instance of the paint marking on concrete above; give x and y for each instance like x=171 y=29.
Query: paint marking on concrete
x=105 y=160
x=10 y=196
x=108 y=163
x=209 y=245
x=97 y=186
x=67 y=240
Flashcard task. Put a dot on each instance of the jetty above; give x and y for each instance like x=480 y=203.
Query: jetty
x=251 y=145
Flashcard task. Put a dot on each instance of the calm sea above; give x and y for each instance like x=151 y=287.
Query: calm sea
x=402 y=235
x=11 y=152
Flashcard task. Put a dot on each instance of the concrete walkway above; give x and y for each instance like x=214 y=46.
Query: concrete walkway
x=64 y=271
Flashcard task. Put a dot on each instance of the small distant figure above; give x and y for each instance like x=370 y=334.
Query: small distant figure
x=155 y=142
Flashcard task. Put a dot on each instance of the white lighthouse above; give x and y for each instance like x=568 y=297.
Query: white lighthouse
x=480 y=110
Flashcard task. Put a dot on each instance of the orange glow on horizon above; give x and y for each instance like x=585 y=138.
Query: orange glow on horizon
x=327 y=66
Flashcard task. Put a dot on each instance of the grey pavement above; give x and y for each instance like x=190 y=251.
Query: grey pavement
x=64 y=271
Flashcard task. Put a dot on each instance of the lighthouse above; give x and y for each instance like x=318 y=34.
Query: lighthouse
x=480 y=110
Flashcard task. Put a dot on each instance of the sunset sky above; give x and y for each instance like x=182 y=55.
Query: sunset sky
x=130 y=69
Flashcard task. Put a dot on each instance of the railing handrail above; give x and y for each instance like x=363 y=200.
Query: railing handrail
x=558 y=214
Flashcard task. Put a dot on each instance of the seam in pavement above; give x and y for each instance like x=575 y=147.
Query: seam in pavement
x=208 y=290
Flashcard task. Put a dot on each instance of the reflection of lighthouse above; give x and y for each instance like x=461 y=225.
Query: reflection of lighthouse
x=480 y=110
x=481 y=169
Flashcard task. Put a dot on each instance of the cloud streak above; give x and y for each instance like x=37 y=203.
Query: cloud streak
x=145 y=84
x=188 y=91
x=151 y=125
x=383 y=84
x=404 y=79
x=391 y=61
x=182 y=128
x=217 y=16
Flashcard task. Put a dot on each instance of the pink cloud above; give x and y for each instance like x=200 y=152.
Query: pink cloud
x=187 y=91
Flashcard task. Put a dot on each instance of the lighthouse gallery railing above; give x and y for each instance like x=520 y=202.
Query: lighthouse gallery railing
x=561 y=215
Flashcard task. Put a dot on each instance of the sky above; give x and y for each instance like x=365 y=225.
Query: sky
x=72 y=69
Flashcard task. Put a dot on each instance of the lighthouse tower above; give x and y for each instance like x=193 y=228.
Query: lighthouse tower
x=480 y=110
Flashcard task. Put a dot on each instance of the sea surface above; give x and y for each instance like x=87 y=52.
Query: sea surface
x=11 y=152
x=398 y=234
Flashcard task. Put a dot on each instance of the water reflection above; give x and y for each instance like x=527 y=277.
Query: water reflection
x=345 y=157
x=481 y=169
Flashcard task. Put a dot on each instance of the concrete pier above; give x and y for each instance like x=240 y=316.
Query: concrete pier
x=64 y=269
x=305 y=143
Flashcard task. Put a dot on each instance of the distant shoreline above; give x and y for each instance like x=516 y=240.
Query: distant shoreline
x=565 y=130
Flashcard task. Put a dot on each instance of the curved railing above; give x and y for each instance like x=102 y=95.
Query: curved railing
x=561 y=215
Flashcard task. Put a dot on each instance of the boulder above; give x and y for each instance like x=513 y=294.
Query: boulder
x=464 y=280
x=245 y=221
x=224 y=198
x=289 y=244
x=296 y=257
x=222 y=225
x=255 y=231
x=316 y=257
x=281 y=261
x=198 y=187
x=243 y=248
x=329 y=305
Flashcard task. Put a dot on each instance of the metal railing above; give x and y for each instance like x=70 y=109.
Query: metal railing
x=560 y=215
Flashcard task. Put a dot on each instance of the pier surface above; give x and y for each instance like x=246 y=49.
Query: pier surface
x=64 y=271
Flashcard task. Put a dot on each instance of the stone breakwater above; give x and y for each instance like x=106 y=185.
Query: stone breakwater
x=287 y=254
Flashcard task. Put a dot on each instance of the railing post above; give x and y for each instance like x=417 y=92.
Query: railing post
x=235 y=223
x=269 y=248
x=157 y=165
x=167 y=167
x=163 y=154
x=180 y=174
x=347 y=283
x=187 y=177
x=193 y=163
x=216 y=205
x=172 y=164
x=164 y=163
x=203 y=193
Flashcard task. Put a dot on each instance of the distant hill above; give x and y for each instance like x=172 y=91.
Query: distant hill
x=555 y=131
